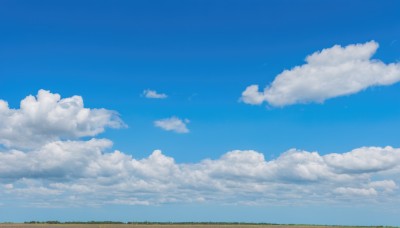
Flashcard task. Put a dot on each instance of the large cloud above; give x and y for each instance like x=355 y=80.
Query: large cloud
x=332 y=72
x=47 y=118
x=83 y=170
x=63 y=170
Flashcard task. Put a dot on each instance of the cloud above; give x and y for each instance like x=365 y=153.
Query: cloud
x=47 y=118
x=173 y=124
x=72 y=171
x=332 y=72
x=85 y=172
x=59 y=159
x=356 y=191
x=386 y=185
x=153 y=94
x=379 y=159
x=252 y=96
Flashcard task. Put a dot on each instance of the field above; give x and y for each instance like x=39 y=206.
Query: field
x=168 y=226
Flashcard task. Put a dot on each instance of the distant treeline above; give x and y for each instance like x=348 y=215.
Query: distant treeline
x=150 y=223
x=89 y=222
x=192 y=223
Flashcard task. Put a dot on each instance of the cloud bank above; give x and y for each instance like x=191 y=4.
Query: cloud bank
x=332 y=72
x=65 y=171
x=81 y=172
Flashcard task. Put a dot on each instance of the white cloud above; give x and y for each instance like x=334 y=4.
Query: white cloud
x=356 y=191
x=60 y=159
x=252 y=96
x=66 y=171
x=386 y=185
x=379 y=159
x=332 y=72
x=47 y=118
x=153 y=94
x=82 y=172
x=9 y=186
x=173 y=124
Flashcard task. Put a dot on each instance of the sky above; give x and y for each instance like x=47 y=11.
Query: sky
x=228 y=111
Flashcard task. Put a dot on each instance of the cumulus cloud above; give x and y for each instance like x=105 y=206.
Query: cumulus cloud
x=252 y=96
x=173 y=124
x=379 y=159
x=86 y=172
x=60 y=159
x=153 y=94
x=67 y=171
x=48 y=117
x=329 y=73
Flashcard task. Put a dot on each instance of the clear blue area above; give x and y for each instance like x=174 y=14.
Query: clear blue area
x=203 y=54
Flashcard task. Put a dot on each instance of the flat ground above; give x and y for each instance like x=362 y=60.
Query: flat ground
x=164 y=226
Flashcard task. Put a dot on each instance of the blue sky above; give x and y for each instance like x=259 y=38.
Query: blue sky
x=203 y=55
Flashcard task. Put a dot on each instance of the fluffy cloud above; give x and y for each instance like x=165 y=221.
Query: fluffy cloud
x=84 y=172
x=60 y=159
x=329 y=73
x=64 y=170
x=153 y=94
x=173 y=124
x=47 y=118
x=252 y=96
x=379 y=159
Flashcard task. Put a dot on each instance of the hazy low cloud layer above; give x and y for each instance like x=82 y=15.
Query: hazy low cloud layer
x=59 y=172
x=329 y=73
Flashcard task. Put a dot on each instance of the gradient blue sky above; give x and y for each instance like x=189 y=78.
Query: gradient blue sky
x=203 y=55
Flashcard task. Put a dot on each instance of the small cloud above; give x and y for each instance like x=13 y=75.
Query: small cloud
x=152 y=94
x=8 y=186
x=252 y=96
x=356 y=191
x=173 y=124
